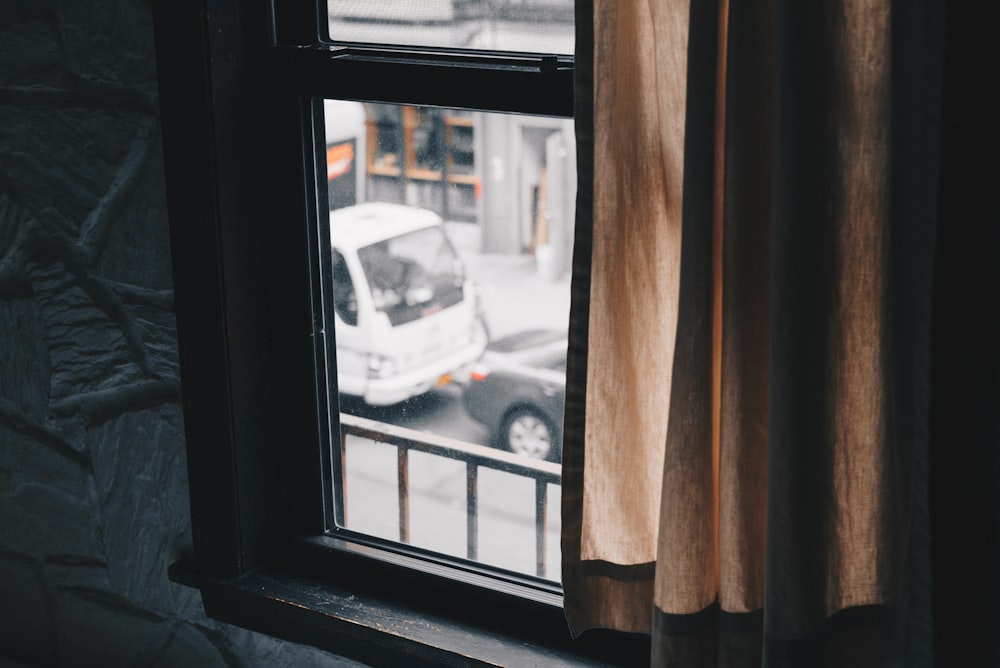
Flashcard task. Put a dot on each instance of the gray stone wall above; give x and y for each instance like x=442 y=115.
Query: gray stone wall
x=93 y=491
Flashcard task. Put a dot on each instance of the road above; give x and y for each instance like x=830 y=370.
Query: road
x=440 y=412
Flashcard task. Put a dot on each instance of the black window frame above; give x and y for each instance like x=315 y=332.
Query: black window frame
x=239 y=82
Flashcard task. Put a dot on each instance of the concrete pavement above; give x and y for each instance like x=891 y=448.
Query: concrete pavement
x=515 y=295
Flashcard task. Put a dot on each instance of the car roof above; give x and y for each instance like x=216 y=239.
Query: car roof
x=529 y=338
x=534 y=348
x=361 y=225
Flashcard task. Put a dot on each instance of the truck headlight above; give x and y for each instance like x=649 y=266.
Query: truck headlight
x=380 y=367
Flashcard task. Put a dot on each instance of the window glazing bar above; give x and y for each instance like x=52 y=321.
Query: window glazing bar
x=536 y=85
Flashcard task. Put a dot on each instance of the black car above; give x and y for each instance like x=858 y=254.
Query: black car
x=518 y=390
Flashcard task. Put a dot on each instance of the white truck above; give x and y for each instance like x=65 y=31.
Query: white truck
x=407 y=317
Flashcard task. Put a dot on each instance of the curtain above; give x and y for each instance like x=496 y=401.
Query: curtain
x=749 y=397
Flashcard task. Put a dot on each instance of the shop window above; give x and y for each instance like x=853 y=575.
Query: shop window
x=385 y=140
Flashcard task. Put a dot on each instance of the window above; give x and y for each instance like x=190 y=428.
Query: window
x=423 y=313
x=459 y=226
x=455 y=268
x=246 y=143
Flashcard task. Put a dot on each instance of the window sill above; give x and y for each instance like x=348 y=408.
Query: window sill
x=404 y=620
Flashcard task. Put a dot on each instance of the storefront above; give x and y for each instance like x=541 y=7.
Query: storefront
x=423 y=157
x=513 y=175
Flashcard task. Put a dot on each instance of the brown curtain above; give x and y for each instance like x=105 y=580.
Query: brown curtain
x=749 y=385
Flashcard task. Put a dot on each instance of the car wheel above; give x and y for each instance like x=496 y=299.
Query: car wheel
x=527 y=432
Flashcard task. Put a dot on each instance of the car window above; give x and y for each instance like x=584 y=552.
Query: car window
x=413 y=275
x=345 y=302
x=525 y=340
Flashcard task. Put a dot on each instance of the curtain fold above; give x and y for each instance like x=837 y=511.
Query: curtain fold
x=745 y=458
x=629 y=254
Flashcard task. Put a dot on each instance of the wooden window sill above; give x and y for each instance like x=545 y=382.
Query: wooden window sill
x=404 y=620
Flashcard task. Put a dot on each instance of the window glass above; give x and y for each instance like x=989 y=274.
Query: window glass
x=345 y=303
x=534 y=26
x=413 y=275
x=453 y=272
x=385 y=143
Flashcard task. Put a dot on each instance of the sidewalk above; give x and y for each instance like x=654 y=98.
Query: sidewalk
x=515 y=297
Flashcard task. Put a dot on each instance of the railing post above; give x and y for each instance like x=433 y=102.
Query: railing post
x=541 y=508
x=403 y=480
x=472 y=509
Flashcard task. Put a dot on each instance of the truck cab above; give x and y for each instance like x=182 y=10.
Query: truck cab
x=406 y=314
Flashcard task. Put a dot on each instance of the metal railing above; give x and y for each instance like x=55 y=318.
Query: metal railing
x=474 y=456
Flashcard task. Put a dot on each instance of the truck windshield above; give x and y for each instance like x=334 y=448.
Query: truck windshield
x=413 y=275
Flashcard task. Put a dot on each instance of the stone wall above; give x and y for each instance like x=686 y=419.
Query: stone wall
x=93 y=492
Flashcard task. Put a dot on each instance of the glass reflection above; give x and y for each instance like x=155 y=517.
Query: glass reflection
x=533 y=26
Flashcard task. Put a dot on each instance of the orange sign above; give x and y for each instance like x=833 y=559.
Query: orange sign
x=339 y=159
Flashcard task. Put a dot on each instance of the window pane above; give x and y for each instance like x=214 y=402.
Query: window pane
x=536 y=26
x=451 y=237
